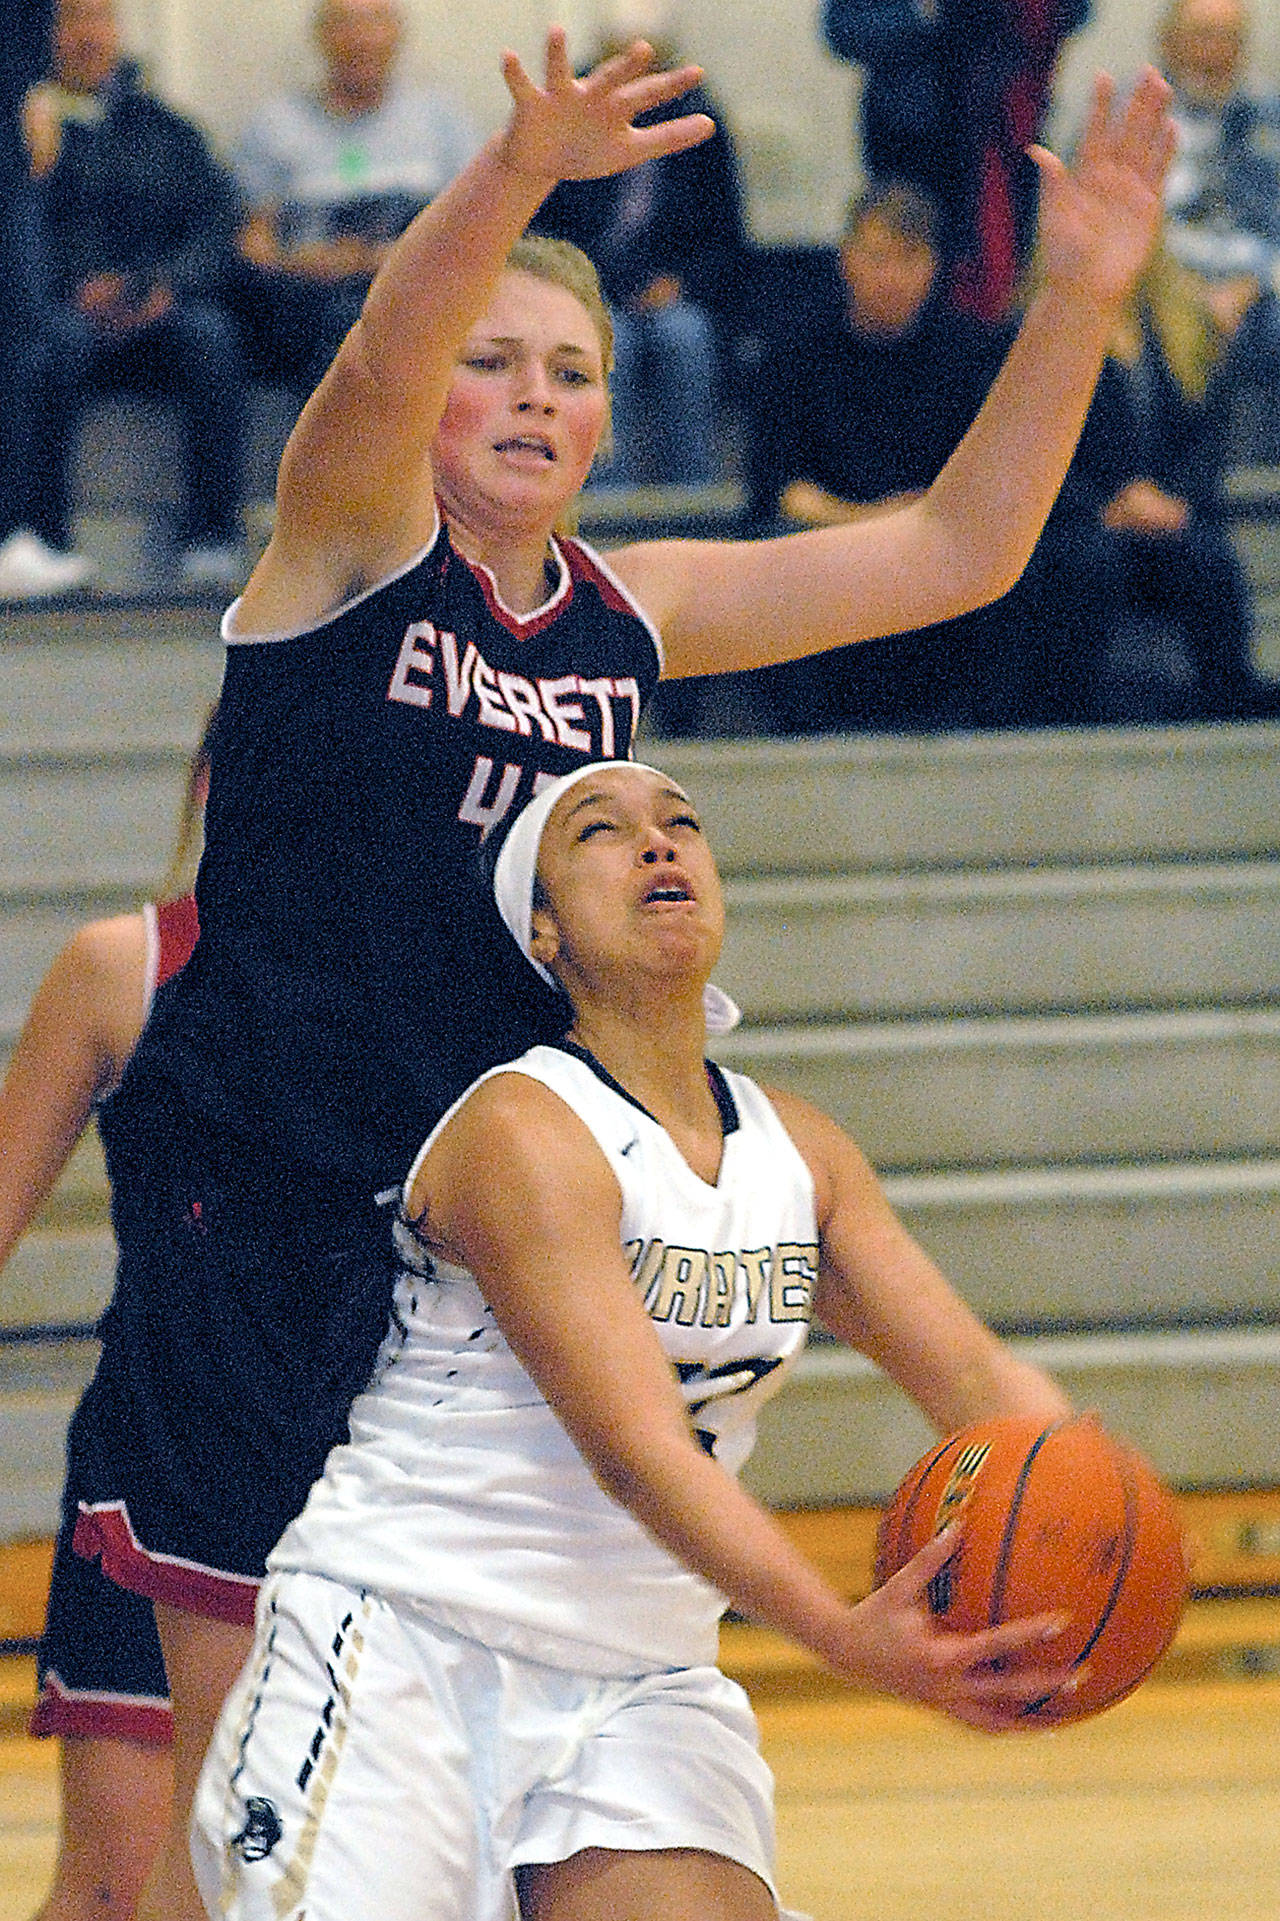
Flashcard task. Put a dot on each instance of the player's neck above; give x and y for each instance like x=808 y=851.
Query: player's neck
x=660 y=1062
x=521 y=565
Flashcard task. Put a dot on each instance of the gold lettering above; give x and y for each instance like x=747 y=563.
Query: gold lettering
x=755 y=1265
x=719 y=1305
x=680 y=1286
x=792 y=1281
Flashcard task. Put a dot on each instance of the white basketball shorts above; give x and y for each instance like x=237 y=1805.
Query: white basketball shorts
x=370 y=1762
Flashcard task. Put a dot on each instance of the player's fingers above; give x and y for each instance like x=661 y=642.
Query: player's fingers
x=1146 y=129
x=621 y=69
x=655 y=89
x=673 y=136
x=519 y=85
x=1051 y=167
x=1011 y=1637
x=911 y=1580
x=1093 y=141
x=559 y=73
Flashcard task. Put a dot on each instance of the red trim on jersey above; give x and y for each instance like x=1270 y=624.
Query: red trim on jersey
x=582 y=562
x=178 y=926
x=105 y=1531
x=62 y=1711
x=523 y=626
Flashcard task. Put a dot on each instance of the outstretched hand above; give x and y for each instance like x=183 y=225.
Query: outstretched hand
x=987 y=1679
x=571 y=129
x=1100 y=217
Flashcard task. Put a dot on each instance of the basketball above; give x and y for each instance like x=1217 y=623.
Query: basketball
x=1057 y=1519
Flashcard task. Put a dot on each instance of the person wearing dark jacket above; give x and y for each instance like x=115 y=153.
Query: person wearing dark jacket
x=1168 y=513
x=125 y=221
x=954 y=92
x=857 y=416
x=668 y=240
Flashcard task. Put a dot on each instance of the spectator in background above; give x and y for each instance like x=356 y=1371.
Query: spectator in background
x=29 y=568
x=1177 y=558
x=329 y=180
x=856 y=419
x=1223 y=190
x=955 y=92
x=669 y=242
x=124 y=224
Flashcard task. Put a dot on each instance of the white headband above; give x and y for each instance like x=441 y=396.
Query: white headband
x=516 y=867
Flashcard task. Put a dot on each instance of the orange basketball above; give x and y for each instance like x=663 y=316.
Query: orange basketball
x=1049 y=1519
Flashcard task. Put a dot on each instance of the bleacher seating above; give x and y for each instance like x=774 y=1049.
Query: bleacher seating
x=1037 y=975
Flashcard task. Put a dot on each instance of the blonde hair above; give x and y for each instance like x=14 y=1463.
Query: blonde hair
x=1175 y=308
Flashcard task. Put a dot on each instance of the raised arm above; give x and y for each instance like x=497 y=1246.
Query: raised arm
x=879 y=1291
x=355 y=481
x=541 y=1234
x=730 y=605
x=82 y=1027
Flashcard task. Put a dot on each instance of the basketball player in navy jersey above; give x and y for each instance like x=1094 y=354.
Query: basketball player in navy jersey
x=487 y=1646
x=101 y=1685
x=416 y=651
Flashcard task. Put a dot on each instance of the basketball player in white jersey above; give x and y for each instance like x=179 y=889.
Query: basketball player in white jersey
x=417 y=648
x=485 y=1655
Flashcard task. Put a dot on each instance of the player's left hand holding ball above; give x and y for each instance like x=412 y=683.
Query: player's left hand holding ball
x=987 y=1680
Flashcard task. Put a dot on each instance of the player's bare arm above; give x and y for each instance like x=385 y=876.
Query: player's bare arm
x=81 y=1028
x=881 y=1293
x=542 y=1239
x=355 y=490
x=736 y=605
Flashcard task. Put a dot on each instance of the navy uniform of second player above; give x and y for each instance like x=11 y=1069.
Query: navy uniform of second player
x=102 y=1691
x=348 y=983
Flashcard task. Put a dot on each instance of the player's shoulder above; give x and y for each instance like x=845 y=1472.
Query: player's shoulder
x=827 y=1150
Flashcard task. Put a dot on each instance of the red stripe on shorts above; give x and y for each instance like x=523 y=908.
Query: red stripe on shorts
x=105 y=1532
x=63 y=1712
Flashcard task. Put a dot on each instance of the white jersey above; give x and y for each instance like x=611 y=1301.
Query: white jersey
x=459 y=1491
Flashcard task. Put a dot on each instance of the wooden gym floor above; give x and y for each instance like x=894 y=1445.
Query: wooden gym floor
x=1165 y=1809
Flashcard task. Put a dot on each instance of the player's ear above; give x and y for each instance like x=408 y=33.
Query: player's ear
x=544 y=936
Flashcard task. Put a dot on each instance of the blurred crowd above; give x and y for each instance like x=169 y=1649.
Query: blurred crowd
x=830 y=382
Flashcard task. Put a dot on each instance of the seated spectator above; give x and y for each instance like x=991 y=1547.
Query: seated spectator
x=28 y=567
x=669 y=242
x=329 y=179
x=1176 y=553
x=125 y=222
x=858 y=417
x=1223 y=191
x=954 y=93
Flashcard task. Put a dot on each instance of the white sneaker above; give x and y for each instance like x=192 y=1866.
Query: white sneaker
x=32 y=570
x=213 y=569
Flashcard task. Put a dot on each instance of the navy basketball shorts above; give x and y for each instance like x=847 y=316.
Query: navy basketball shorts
x=250 y=1301
x=99 y=1669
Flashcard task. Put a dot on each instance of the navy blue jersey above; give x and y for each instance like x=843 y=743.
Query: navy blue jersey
x=352 y=976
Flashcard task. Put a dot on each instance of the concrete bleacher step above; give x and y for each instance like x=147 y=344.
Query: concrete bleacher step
x=68 y=817
x=35 y=924
x=1029 y=1248
x=994 y=1090
x=849 y=806
x=1038 y=1248
x=1199 y=1402
x=86 y=677
x=821 y=946
x=986 y=1094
